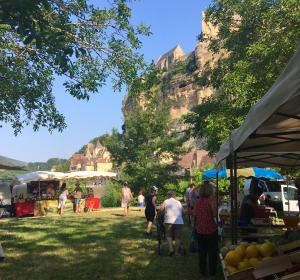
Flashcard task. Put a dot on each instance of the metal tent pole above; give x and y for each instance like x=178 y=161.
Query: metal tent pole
x=235 y=186
x=217 y=195
x=231 y=200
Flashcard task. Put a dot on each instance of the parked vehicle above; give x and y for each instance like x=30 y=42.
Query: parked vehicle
x=277 y=193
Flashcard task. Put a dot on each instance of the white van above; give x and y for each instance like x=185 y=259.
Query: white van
x=281 y=196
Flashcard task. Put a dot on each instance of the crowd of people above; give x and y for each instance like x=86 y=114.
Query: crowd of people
x=201 y=215
x=77 y=195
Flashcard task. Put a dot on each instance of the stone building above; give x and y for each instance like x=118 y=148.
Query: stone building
x=96 y=158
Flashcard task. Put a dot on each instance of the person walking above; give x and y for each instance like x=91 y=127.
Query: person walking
x=126 y=198
x=62 y=199
x=77 y=198
x=191 y=198
x=173 y=222
x=150 y=209
x=205 y=212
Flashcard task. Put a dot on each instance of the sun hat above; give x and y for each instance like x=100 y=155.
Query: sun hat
x=154 y=189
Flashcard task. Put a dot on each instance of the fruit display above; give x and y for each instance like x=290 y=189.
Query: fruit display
x=243 y=256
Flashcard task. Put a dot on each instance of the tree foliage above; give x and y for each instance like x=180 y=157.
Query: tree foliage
x=258 y=38
x=84 y=44
x=149 y=146
x=46 y=166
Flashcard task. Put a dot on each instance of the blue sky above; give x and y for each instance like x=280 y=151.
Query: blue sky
x=172 y=22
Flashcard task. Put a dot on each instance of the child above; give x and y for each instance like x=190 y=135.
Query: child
x=141 y=199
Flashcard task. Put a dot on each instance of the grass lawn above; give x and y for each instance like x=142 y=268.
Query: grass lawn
x=99 y=245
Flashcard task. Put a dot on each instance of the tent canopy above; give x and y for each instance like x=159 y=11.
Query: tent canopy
x=12 y=164
x=40 y=176
x=89 y=174
x=48 y=175
x=270 y=135
x=245 y=172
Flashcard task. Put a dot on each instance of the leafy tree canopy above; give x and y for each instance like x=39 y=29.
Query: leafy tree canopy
x=84 y=44
x=258 y=37
x=149 y=146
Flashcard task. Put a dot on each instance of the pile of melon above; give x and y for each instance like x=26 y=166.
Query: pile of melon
x=244 y=256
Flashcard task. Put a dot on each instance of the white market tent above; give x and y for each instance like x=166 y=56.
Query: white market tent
x=41 y=176
x=48 y=175
x=270 y=135
x=89 y=174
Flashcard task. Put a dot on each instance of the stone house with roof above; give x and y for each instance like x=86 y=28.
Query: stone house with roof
x=96 y=158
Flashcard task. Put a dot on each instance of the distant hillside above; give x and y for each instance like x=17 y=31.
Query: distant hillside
x=46 y=166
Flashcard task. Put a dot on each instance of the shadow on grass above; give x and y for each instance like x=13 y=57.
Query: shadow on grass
x=97 y=246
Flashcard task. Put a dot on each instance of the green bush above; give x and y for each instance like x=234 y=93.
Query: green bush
x=111 y=194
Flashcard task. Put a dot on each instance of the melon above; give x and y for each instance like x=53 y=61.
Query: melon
x=267 y=249
x=241 y=249
x=231 y=269
x=233 y=258
x=243 y=265
x=251 y=251
x=253 y=261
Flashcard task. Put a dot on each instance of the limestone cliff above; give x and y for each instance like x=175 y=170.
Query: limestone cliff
x=179 y=86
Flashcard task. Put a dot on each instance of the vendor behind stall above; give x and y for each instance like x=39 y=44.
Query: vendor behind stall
x=250 y=203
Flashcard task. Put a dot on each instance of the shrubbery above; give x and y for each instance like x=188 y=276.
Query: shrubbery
x=111 y=194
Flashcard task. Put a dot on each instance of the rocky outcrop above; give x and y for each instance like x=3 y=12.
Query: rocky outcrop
x=179 y=86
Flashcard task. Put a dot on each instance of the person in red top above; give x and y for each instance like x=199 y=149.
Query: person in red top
x=205 y=212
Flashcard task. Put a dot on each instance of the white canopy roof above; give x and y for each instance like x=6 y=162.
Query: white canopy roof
x=47 y=175
x=89 y=174
x=41 y=176
x=270 y=135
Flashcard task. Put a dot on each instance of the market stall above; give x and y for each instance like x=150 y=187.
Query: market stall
x=10 y=164
x=270 y=136
x=93 y=181
x=36 y=193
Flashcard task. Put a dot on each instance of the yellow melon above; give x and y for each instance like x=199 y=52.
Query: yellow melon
x=231 y=269
x=253 y=261
x=267 y=249
x=243 y=265
x=251 y=251
x=241 y=249
x=233 y=258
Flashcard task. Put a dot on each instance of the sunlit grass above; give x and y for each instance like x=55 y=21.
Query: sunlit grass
x=98 y=245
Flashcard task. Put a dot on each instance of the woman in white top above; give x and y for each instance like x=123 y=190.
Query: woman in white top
x=173 y=222
x=62 y=198
x=126 y=198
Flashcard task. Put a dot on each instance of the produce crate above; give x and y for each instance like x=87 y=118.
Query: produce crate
x=272 y=266
x=280 y=265
x=289 y=247
x=245 y=274
x=293 y=276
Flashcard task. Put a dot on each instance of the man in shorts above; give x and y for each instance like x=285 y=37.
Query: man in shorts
x=173 y=222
